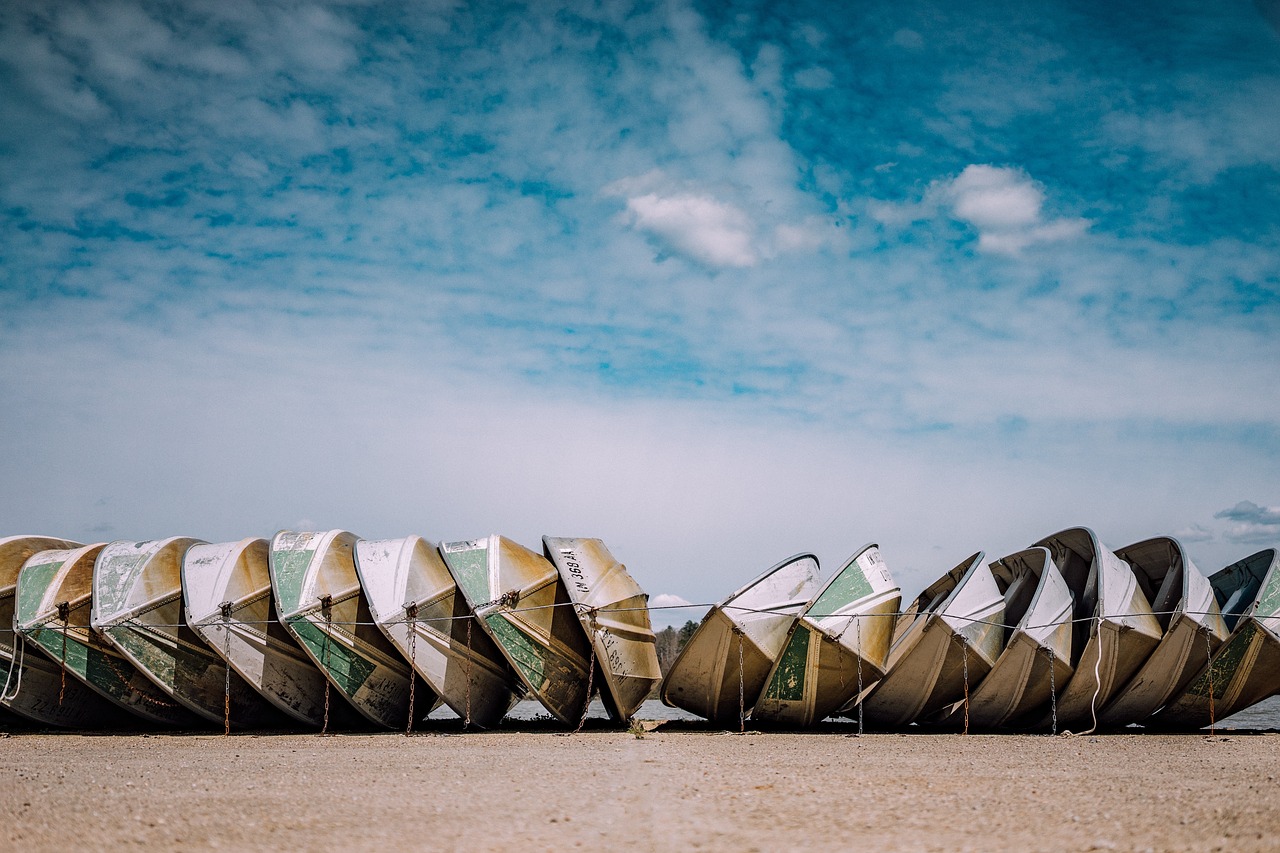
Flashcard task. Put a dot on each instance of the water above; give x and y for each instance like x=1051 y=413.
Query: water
x=1265 y=716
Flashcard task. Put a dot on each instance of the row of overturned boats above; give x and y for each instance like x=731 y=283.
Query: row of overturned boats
x=328 y=630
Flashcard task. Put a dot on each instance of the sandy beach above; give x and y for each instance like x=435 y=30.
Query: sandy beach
x=679 y=786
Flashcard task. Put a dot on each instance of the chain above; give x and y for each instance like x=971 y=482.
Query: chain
x=64 y=613
x=1209 y=654
x=591 y=669
x=1053 y=688
x=742 y=707
x=326 y=606
x=466 y=720
x=412 y=612
x=964 y=648
x=859 y=659
x=226 y=663
x=126 y=677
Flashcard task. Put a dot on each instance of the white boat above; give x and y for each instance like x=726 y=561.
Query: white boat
x=1183 y=603
x=1036 y=656
x=839 y=644
x=519 y=599
x=319 y=599
x=137 y=607
x=33 y=684
x=226 y=589
x=1246 y=668
x=614 y=612
x=1115 y=630
x=722 y=669
x=54 y=604
x=945 y=643
x=416 y=603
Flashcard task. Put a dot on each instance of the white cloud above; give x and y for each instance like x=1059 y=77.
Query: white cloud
x=1193 y=533
x=1253 y=524
x=706 y=229
x=1005 y=205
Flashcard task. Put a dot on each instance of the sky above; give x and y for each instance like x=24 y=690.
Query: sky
x=715 y=282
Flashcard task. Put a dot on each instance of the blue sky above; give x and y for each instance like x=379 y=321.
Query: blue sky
x=715 y=282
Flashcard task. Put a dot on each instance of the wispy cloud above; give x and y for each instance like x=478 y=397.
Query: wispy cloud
x=1253 y=523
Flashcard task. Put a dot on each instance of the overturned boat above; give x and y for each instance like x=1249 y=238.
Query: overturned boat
x=226 y=589
x=944 y=644
x=35 y=688
x=416 y=603
x=319 y=599
x=1183 y=603
x=1115 y=631
x=54 y=604
x=1246 y=668
x=519 y=599
x=838 y=645
x=722 y=669
x=1036 y=656
x=137 y=607
x=614 y=612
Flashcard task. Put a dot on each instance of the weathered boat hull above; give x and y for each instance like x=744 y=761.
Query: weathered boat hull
x=519 y=599
x=724 y=666
x=839 y=644
x=228 y=601
x=1183 y=603
x=1115 y=630
x=1246 y=668
x=614 y=611
x=33 y=684
x=416 y=603
x=137 y=607
x=1037 y=657
x=320 y=601
x=54 y=605
x=946 y=643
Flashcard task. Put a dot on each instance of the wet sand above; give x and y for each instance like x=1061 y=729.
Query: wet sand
x=681 y=786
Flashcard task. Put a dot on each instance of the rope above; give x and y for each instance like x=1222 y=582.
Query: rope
x=412 y=612
x=17 y=661
x=591 y=669
x=1097 y=682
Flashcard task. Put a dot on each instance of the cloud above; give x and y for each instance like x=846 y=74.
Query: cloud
x=1006 y=206
x=704 y=228
x=1254 y=524
x=1193 y=533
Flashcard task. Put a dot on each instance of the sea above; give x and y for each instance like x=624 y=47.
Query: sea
x=1264 y=716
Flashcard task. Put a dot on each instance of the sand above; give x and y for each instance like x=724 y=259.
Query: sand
x=681 y=786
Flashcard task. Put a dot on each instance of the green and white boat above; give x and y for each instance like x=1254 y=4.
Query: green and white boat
x=320 y=601
x=137 y=607
x=55 y=600
x=1246 y=668
x=724 y=666
x=226 y=589
x=839 y=644
x=518 y=597
x=944 y=644
x=33 y=684
x=416 y=603
x=614 y=612
x=1183 y=603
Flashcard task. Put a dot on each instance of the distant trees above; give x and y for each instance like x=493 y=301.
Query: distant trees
x=670 y=641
